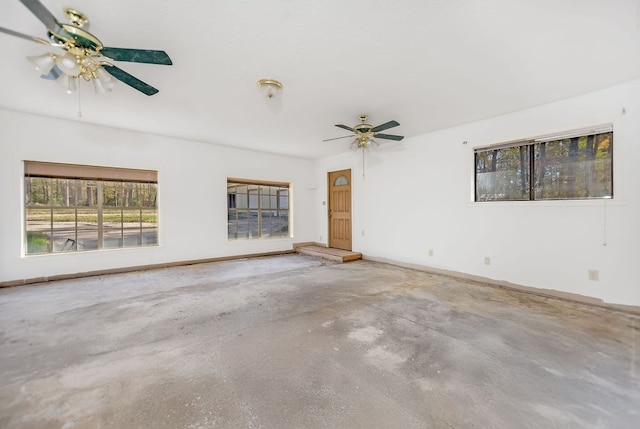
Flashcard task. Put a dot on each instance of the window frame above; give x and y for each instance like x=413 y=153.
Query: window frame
x=102 y=179
x=255 y=208
x=534 y=185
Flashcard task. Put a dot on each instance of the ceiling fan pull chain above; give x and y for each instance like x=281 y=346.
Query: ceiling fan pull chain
x=363 y=163
x=79 y=101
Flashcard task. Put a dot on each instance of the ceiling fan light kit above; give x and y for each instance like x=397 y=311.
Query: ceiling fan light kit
x=85 y=56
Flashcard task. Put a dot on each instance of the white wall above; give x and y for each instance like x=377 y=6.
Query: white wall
x=191 y=192
x=418 y=195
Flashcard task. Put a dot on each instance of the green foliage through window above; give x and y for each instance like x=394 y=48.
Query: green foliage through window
x=75 y=214
x=577 y=167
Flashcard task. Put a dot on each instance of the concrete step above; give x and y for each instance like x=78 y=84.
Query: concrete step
x=338 y=255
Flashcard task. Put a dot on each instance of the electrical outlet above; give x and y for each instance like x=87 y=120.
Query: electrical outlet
x=363 y=232
x=487 y=260
x=430 y=252
x=594 y=275
x=321 y=239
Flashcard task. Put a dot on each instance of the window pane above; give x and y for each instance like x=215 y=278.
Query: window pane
x=112 y=238
x=87 y=229
x=242 y=201
x=265 y=201
x=261 y=216
x=266 y=226
x=341 y=181
x=243 y=224
x=575 y=168
x=112 y=228
x=64 y=230
x=113 y=194
x=36 y=191
x=232 y=232
x=254 y=222
x=149 y=218
x=63 y=242
x=149 y=223
x=283 y=227
x=132 y=222
x=243 y=216
x=38 y=242
x=112 y=219
x=283 y=199
x=253 y=201
x=150 y=236
x=87 y=193
x=132 y=218
x=578 y=167
x=232 y=215
x=502 y=174
x=75 y=214
x=231 y=200
x=146 y=195
x=131 y=237
x=38 y=230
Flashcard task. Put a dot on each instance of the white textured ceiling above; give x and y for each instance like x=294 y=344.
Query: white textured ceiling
x=429 y=64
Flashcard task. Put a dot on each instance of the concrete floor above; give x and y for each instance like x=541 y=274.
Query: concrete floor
x=295 y=342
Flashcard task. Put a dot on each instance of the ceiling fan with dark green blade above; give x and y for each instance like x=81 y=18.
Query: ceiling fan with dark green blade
x=84 y=55
x=365 y=133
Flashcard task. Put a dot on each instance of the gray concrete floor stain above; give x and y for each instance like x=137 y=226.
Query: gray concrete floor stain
x=295 y=342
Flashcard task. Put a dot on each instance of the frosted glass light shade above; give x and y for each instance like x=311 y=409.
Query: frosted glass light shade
x=106 y=80
x=269 y=88
x=44 y=63
x=99 y=87
x=67 y=63
x=67 y=82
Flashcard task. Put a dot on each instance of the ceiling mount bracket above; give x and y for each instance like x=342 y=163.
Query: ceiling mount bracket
x=77 y=18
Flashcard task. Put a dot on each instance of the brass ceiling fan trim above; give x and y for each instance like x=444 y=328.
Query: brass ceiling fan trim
x=80 y=38
x=76 y=17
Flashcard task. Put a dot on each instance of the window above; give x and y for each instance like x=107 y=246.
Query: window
x=257 y=210
x=72 y=208
x=574 y=166
x=341 y=181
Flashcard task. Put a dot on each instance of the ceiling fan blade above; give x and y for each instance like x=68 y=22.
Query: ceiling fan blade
x=388 y=137
x=384 y=126
x=137 y=55
x=130 y=80
x=43 y=14
x=344 y=127
x=23 y=36
x=336 y=138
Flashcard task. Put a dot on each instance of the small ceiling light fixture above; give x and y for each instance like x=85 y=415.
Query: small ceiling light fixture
x=270 y=88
